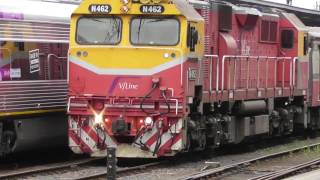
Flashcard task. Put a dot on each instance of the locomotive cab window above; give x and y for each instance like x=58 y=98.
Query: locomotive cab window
x=98 y=30
x=154 y=31
x=287 y=37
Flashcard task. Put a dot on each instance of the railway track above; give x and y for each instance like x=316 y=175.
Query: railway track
x=289 y=171
x=88 y=169
x=124 y=171
x=77 y=170
x=46 y=169
x=244 y=166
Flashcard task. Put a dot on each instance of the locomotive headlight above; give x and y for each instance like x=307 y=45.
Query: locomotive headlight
x=148 y=121
x=98 y=118
x=124 y=9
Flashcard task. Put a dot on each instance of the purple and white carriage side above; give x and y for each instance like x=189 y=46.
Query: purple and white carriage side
x=33 y=74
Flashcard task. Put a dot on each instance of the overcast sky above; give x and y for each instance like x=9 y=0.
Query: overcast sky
x=309 y=4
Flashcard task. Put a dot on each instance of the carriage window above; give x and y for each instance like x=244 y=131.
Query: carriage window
x=287 y=39
x=154 y=31
x=92 y=30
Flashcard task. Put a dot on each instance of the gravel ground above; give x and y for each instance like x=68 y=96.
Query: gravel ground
x=35 y=158
x=76 y=172
x=184 y=168
x=277 y=164
x=192 y=162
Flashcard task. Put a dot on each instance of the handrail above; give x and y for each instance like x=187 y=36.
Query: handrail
x=223 y=61
x=210 y=72
x=48 y=62
x=291 y=73
x=69 y=103
x=177 y=104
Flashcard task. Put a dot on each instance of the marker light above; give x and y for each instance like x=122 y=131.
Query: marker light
x=148 y=121
x=98 y=118
x=145 y=1
x=125 y=2
x=156 y=1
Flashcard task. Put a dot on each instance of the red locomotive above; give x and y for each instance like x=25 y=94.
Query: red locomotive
x=157 y=78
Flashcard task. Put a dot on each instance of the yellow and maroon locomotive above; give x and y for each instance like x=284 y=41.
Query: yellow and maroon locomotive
x=154 y=78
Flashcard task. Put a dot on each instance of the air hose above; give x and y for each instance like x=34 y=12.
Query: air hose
x=159 y=133
x=158 y=143
x=154 y=86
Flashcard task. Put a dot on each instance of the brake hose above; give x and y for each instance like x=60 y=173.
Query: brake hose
x=163 y=94
x=158 y=143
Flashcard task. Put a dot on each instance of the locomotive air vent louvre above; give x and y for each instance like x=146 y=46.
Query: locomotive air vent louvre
x=205 y=11
x=225 y=17
x=268 y=32
x=205 y=67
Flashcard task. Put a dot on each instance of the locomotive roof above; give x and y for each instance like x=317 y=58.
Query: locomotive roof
x=295 y=21
x=190 y=13
x=32 y=10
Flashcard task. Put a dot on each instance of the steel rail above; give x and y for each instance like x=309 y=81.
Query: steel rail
x=46 y=168
x=228 y=168
x=287 y=172
x=121 y=172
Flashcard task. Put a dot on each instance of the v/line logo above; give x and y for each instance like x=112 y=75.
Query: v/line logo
x=128 y=86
